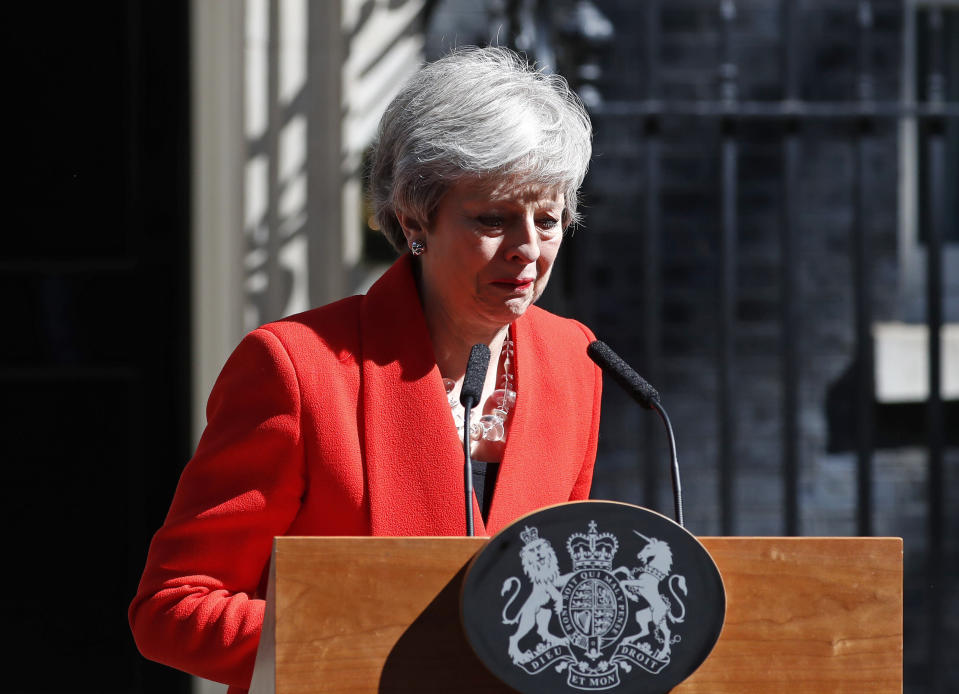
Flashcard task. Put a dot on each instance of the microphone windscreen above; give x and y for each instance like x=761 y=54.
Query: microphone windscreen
x=475 y=376
x=623 y=374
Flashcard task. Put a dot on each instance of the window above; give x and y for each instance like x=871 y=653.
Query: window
x=914 y=138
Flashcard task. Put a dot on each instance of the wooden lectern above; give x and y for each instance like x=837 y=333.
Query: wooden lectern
x=370 y=615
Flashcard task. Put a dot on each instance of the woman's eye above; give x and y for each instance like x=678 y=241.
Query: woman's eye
x=490 y=220
x=547 y=223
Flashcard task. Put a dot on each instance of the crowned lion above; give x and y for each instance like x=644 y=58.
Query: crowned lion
x=542 y=567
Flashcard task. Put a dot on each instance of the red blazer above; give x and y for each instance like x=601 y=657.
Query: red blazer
x=336 y=422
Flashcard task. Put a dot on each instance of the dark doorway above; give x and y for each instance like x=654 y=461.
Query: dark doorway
x=94 y=364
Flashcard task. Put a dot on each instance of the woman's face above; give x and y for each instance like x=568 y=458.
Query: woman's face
x=490 y=248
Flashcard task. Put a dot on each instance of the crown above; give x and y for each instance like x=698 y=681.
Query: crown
x=593 y=550
x=529 y=535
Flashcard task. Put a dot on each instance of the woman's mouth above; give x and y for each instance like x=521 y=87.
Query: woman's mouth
x=514 y=283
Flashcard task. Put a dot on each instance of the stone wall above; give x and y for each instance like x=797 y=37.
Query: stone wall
x=601 y=271
x=609 y=254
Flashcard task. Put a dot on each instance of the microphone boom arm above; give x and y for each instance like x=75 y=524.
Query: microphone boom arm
x=643 y=393
x=673 y=463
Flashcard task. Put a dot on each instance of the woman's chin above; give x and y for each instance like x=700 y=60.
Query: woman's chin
x=516 y=307
x=500 y=310
x=499 y=315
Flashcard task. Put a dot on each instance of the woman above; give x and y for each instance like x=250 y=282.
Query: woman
x=343 y=420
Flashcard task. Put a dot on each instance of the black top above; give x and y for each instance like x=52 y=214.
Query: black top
x=484 y=481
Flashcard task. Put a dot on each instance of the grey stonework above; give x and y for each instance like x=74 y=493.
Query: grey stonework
x=609 y=257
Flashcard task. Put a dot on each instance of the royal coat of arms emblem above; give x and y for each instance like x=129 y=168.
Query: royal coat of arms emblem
x=599 y=618
x=592 y=602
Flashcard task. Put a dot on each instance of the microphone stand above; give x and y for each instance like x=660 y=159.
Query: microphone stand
x=647 y=397
x=674 y=462
x=470 y=395
x=468 y=467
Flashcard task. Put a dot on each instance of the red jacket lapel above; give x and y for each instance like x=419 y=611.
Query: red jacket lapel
x=404 y=412
x=525 y=478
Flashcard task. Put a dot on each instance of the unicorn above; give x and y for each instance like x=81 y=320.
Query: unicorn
x=656 y=560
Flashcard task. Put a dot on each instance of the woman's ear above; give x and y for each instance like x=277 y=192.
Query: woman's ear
x=412 y=228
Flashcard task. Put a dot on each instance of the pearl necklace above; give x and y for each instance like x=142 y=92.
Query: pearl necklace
x=491 y=427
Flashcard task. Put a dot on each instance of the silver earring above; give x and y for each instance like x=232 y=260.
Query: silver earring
x=417 y=247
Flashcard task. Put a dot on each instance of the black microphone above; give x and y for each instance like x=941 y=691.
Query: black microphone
x=645 y=395
x=475 y=376
x=632 y=382
x=470 y=395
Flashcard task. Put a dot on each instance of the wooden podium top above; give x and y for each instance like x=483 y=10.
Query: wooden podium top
x=382 y=615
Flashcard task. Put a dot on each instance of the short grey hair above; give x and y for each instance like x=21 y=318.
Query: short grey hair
x=482 y=112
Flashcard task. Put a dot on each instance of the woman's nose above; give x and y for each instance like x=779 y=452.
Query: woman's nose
x=525 y=242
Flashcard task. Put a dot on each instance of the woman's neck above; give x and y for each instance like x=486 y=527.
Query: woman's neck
x=453 y=340
x=453 y=336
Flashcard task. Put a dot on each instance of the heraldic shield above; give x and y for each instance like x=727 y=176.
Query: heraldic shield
x=593 y=596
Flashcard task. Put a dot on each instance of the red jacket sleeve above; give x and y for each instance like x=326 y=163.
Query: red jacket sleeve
x=199 y=606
